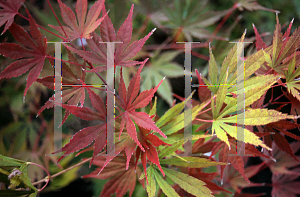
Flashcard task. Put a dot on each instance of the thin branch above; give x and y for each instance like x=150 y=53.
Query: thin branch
x=47 y=178
x=47 y=181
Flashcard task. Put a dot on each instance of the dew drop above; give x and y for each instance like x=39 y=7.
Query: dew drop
x=222 y=180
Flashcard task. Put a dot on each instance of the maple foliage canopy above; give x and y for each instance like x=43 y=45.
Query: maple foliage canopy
x=150 y=146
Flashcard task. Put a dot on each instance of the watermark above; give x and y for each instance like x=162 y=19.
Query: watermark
x=110 y=90
x=240 y=98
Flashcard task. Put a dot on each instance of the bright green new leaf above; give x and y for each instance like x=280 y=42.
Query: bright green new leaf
x=159 y=67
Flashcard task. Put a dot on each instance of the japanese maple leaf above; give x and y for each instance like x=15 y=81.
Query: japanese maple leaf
x=279 y=139
x=124 y=143
x=233 y=179
x=31 y=54
x=121 y=180
x=251 y=5
x=8 y=12
x=295 y=104
x=282 y=161
x=71 y=77
x=82 y=25
x=86 y=136
x=129 y=101
x=284 y=185
x=149 y=141
x=282 y=48
x=203 y=176
x=235 y=161
x=124 y=51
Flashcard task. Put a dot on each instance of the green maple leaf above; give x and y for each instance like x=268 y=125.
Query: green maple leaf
x=159 y=67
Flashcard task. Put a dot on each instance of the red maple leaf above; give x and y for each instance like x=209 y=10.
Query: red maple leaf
x=235 y=161
x=279 y=139
x=149 y=141
x=121 y=180
x=74 y=78
x=87 y=22
x=123 y=51
x=284 y=185
x=283 y=161
x=8 y=12
x=86 y=136
x=129 y=101
x=234 y=179
x=31 y=54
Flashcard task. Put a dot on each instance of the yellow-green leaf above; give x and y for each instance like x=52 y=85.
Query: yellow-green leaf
x=255 y=117
x=165 y=187
x=191 y=162
x=151 y=187
x=188 y=183
x=249 y=137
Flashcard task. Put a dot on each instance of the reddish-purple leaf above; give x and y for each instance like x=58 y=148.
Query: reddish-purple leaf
x=121 y=180
x=123 y=51
x=83 y=112
x=32 y=57
x=9 y=10
x=259 y=42
x=284 y=185
x=87 y=23
x=143 y=120
x=84 y=138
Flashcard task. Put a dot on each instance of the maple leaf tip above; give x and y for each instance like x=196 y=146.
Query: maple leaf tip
x=153 y=30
